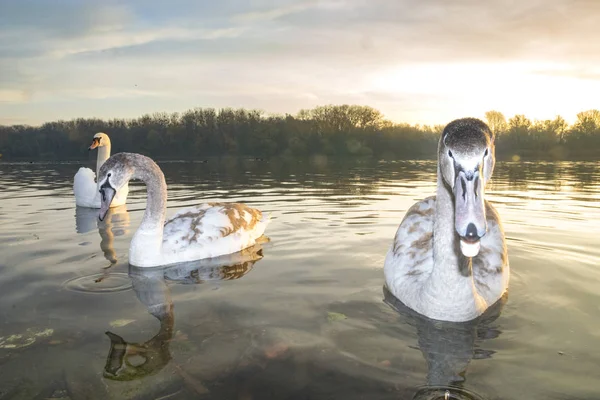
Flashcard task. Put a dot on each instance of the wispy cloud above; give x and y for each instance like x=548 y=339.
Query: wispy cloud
x=13 y=96
x=117 y=40
x=268 y=14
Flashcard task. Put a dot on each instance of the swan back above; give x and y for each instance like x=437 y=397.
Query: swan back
x=211 y=230
x=84 y=188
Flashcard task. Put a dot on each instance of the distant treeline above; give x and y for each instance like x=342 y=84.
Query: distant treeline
x=343 y=130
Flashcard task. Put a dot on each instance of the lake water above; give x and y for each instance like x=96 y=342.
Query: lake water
x=308 y=320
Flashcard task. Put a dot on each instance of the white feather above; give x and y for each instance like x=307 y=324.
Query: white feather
x=85 y=186
x=206 y=231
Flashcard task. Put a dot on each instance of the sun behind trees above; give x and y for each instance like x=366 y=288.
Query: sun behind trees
x=333 y=130
x=550 y=139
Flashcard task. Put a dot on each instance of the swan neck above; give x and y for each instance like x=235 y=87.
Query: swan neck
x=443 y=227
x=103 y=155
x=449 y=290
x=156 y=204
x=450 y=266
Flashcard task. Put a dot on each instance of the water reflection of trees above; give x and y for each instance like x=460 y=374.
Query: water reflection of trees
x=523 y=175
x=318 y=176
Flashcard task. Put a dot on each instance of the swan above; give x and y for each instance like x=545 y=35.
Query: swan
x=448 y=260
x=84 y=187
x=204 y=231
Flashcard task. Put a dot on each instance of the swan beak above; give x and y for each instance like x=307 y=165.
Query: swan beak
x=469 y=216
x=95 y=143
x=107 y=193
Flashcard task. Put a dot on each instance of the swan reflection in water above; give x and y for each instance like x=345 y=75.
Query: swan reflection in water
x=115 y=224
x=448 y=348
x=129 y=361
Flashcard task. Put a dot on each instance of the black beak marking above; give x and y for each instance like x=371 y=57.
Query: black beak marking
x=464 y=187
x=94 y=141
x=105 y=185
x=469 y=175
x=471 y=231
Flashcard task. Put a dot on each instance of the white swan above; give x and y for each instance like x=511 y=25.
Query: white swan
x=448 y=260
x=205 y=231
x=84 y=186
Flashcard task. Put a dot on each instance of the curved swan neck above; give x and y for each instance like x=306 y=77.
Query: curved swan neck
x=156 y=205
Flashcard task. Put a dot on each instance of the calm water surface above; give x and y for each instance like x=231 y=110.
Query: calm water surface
x=303 y=316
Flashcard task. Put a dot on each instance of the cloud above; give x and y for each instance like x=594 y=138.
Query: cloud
x=275 y=13
x=13 y=96
x=149 y=55
x=61 y=19
x=123 y=40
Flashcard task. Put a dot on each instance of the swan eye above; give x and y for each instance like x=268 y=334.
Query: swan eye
x=108 y=175
x=450 y=153
x=486 y=153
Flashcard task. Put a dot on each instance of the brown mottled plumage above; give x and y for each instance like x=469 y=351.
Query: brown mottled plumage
x=448 y=260
x=195 y=233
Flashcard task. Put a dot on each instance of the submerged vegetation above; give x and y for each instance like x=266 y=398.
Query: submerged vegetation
x=332 y=130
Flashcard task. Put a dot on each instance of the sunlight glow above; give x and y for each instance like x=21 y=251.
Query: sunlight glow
x=538 y=90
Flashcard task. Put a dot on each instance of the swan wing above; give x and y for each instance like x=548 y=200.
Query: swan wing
x=211 y=230
x=409 y=261
x=490 y=266
x=84 y=187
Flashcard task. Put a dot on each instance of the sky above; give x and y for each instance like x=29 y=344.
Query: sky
x=416 y=61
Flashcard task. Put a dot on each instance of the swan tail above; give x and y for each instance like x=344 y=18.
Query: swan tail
x=261 y=226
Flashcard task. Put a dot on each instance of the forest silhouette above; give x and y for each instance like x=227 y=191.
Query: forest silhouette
x=331 y=130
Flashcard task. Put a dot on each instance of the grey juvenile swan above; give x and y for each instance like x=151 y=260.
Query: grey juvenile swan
x=194 y=233
x=448 y=260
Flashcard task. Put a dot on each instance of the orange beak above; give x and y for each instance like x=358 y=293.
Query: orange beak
x=95 y=143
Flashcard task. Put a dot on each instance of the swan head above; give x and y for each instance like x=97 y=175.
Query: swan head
x=466 y=161
x=113 y=175
x=100 y=139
